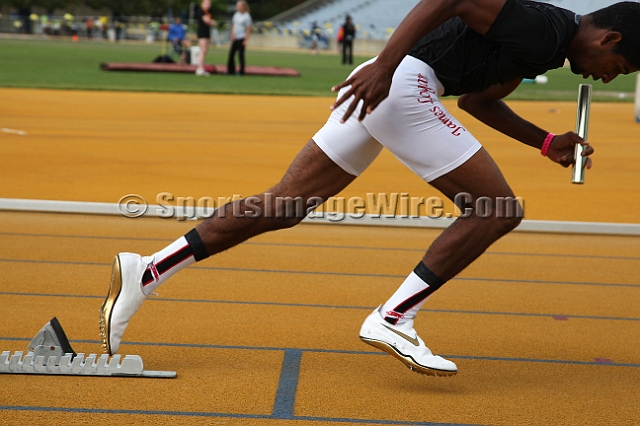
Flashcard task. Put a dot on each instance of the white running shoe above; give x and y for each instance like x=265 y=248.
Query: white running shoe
x=404 y=343
x=124 y=298
x=202 y=73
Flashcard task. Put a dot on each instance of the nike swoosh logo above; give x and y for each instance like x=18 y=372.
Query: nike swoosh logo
x=414 y=341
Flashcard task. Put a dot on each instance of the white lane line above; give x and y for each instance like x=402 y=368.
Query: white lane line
x=548 y=226
x=17 y=132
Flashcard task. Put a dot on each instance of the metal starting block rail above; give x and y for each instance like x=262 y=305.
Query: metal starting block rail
x=50 y=353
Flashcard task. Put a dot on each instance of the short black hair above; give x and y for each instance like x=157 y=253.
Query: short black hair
x=623 y=17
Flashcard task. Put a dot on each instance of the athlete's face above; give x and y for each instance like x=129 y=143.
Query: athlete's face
x=599 y=60
x=602 y=67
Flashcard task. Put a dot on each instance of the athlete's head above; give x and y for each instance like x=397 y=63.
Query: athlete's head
x=609 y=42
x=624 y=18
x=242 y=6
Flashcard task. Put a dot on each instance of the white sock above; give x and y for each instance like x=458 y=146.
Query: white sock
x=181 y=253
x=411 y=295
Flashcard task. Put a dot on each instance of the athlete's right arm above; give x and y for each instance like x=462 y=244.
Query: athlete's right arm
x=488 y=107
x=371 y=83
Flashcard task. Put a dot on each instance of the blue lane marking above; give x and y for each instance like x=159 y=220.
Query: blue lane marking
x=228 y=415
x=283 y=408
x=341 y=351
x=327 y=246
x=339 y=274
x=310 y=305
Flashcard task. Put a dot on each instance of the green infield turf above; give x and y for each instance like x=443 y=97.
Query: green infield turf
x=62 y=64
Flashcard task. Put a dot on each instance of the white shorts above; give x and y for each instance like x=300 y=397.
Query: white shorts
x=412 y=123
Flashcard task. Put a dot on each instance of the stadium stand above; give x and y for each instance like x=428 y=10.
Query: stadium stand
x=376 y=19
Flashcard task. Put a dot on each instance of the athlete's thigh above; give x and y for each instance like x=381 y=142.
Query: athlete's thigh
x=479 y=177
x=413 y=124
x=312 y=174
x=349 y=145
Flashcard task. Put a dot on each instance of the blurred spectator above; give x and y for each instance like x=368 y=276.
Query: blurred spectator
x=89 y=26
x=340 y=38
x=316 y=35
x=347 y=42
x=44 y=24
x=205 y=22
x=117 y=26
x=178 y=38
x=102 y=23
x=240 y=31
x=56 y=27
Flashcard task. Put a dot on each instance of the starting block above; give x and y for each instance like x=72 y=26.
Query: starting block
x=50 y=353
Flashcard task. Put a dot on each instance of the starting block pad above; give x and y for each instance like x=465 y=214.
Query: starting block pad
x=50 y=353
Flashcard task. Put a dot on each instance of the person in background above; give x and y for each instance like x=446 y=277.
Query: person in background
x=240 y=31
x=101 y=28
x=315 y=37
x=349 y=33
x=340 y=38
x=89 y=25
x=205 y=22
x=178 y=38
x=44 y=24
x=118 y=26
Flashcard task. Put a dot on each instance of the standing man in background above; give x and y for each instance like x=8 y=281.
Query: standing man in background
x=205 y=22
x=89 y=26
x=240 y=31
x=349 y=33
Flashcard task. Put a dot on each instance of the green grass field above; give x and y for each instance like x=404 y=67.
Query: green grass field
x=60 y=64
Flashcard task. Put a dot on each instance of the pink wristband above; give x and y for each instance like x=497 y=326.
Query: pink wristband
x=546 y=144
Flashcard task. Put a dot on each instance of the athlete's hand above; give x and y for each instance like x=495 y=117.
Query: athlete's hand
x=562 y=149
x=370 y=85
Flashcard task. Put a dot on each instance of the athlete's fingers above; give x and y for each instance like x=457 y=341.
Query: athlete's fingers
x=364 y=110
x=351 y=109
x=345 y=96
x=373 y=105
x=367 y=109
x=566 y=160
x=345 y=83
x=342 y=99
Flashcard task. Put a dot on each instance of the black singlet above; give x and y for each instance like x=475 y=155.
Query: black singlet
x=203 y=29
x=527 y=39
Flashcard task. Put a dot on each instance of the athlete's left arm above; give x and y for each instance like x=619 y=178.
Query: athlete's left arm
x=488 y=106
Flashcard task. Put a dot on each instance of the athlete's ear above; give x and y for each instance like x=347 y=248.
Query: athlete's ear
x=610 y=37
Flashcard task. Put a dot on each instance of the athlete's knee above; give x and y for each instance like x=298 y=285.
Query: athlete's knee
x=507 y=224
x=501 y=214
x=507 y=218
x=509 y=212
x=277 y=211
x=288 y=211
